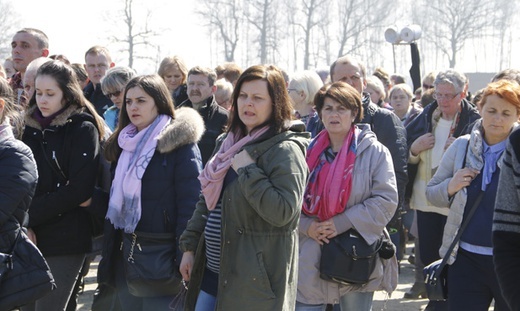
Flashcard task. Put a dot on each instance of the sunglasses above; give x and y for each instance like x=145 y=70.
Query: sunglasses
x=115 y=94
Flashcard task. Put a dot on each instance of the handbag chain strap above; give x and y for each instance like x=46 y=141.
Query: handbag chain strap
x=462 y=227
x=132 y=246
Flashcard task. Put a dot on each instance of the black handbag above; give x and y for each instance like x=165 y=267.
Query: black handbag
x=24 y=274
x=349 y=259
x=150 y=265
x=436 y=273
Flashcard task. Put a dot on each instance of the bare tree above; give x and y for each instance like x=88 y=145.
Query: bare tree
x=226 y=17
x=356 y=19
x=262 y=15
x=8 y=26
x=452 y=23
x=311 y=18
x=505 y=12
x=137 y=36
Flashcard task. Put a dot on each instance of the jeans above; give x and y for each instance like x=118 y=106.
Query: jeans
x=353 y=301
x=205 y=302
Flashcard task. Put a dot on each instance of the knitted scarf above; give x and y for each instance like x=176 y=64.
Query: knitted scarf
x=329 y=186
x=212 y=177
x=124 y=207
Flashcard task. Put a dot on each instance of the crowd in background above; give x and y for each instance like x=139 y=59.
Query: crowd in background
x=251 y=170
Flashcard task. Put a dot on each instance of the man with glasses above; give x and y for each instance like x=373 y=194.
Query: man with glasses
x=429 y=135
x=97 y=62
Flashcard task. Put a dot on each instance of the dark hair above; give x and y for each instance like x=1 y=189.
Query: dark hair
x=68 y=83
x=344 y=94
x=232 y=72
x=154 y=86
x=11 y=109
x=282 y=109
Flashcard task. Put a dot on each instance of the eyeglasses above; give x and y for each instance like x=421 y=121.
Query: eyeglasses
x=444 y=96
x=426 y=86
x=292 y=90
x=115 y=94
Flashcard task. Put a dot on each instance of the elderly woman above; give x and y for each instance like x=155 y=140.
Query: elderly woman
x=429 y=135
x=302 y=88
x=469 y=168
x=401 y=97
x=347 y=160
x=240 y=246
x=174 y=72
x=113 y=86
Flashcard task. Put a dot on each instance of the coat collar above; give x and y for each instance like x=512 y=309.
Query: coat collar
x=60 y=119
x=186 y=128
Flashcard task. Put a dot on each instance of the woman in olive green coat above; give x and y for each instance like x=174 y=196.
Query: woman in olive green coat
x=241 y=244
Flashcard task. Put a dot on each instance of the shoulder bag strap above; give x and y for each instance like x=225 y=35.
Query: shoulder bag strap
x=463 y=225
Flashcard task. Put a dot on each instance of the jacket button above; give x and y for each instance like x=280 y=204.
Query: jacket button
x=254 y=279
x=228 y=242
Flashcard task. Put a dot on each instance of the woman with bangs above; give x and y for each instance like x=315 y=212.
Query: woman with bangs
x=470 y=168
x=240 y=246
x=351 y=185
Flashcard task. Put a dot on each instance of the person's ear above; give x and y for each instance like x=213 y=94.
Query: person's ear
x=112 y=64
x=45 y=52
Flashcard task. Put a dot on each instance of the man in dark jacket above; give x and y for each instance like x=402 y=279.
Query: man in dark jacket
x=201 y=90
x=385 y=124
x=97 y=62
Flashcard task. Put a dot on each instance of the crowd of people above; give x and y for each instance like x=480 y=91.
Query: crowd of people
x=243 y=175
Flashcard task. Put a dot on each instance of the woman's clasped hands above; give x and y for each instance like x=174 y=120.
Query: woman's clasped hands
x=322 y=231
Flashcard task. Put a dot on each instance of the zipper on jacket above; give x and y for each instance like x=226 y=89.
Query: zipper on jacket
x=166 y=218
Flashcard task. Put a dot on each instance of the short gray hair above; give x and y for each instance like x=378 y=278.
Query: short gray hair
x=116 y=79
x=453 y=77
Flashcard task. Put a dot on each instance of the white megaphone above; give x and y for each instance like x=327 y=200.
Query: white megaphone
x=392 y=35
x=411 y=33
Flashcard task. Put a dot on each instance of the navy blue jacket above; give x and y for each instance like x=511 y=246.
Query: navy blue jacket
x=18 y=177
x=170 y=187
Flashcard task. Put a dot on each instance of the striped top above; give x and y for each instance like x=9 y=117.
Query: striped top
x=212 y=236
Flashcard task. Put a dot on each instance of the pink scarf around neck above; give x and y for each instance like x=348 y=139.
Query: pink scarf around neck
x=212 y=177
x=330 y=184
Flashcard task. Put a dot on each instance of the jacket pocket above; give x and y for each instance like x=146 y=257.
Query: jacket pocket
x=264 y=282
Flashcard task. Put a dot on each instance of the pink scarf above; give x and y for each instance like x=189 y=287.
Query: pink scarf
x=212 y=177
x=124 y=207
x=329 y=184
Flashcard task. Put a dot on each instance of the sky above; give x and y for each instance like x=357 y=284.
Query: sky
x=75 y=26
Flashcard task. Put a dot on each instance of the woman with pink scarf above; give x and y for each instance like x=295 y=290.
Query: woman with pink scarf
x=351 y=186
x=240 y=247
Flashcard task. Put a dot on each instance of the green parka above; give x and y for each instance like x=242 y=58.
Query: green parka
x=259 y=233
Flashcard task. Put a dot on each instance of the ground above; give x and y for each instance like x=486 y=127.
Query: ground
x=382 y=301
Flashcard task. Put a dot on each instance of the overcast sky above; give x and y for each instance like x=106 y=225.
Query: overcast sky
x=74 y=26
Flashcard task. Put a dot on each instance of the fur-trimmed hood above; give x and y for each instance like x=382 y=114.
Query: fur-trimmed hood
x=186 y=128
x=60 y=119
